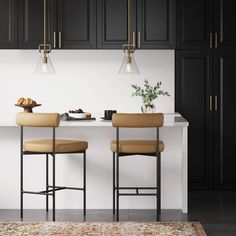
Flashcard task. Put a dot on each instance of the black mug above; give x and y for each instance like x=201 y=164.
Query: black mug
x=108 y=114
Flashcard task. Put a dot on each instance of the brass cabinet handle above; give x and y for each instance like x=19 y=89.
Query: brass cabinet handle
x=216 y=40
x=60 y=41
x=211 y=40
x=134 y=39
x=54 y=39
x=216 y=103
x=139 y=39
x=210 y=103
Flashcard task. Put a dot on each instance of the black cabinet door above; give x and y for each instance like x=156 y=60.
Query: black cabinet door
x=224 y=119
x=156 y=24
x=76 y=24
x=112 y=21
x=31 y=14
x=193 y=90
x=224 y=23
x=194 y=24
x=8 y=24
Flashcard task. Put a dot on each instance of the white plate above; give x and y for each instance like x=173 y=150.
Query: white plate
x=78 y=115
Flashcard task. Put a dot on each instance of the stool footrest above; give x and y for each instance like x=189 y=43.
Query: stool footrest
x=137 y=193
x=40 y=193
x=61 y=187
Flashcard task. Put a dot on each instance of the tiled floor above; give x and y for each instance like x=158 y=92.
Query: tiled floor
x=215 y=210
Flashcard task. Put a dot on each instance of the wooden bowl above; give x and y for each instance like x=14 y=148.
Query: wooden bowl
x=28 y=108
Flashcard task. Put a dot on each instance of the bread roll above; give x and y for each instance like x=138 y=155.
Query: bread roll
x=20 y=101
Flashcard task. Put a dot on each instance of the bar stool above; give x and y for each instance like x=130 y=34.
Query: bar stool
x=136 y=147
x=48 y=147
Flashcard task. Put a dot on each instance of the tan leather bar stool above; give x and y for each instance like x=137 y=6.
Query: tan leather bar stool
x=48 y=147
x=136 y=147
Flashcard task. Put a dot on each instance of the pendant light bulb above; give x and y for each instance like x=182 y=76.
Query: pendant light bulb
x=129 y=65
x=44 y=65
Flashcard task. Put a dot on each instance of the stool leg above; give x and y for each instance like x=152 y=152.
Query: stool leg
x=21 y=174
x=54 y=192
x=114 y=184
x=84 y=162
x=117 y=187
x=46 y=182
x=158 y=183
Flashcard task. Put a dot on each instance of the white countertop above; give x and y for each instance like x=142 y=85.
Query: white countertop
x=170 y=119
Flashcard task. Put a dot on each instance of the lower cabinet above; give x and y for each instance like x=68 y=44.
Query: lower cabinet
x=205 y=97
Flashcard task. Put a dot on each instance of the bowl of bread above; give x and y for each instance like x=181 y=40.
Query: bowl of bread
x=27 y=103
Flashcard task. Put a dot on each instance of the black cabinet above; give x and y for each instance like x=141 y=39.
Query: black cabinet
x=70 y=24
x=153 y=23
x=8 y=24
x=112 y=22
x=193 y=88
x=224 y=20
x=76 y=24
x=224 y=119
x=156 y=24
x=206 y=24
x=194 y=24
x=31 y=23
x=205 y=97
x=204 y=75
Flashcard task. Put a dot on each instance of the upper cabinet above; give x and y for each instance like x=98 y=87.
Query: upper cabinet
x=112 y=20
x=8 y=24
x=194 y=24
x=156 y=24
x=225 y=18
x=153 y=23
x=76 y=26
x=31 y=23
x=205 y=24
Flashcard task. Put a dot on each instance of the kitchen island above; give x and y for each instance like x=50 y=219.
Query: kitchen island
x=134 y=171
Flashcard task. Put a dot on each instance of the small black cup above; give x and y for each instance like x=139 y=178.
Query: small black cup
x=108 y=114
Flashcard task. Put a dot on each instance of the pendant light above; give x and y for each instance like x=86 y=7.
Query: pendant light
x=45 y=65
x=129 y=65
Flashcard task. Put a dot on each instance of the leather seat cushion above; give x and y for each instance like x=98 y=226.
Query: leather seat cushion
x=61 y=146
x=137 y=146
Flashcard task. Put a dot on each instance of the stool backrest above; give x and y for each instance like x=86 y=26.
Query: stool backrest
x=38 y=119
x=131 y=120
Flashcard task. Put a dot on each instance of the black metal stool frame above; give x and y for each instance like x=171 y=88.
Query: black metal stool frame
x=50 y=189
x=116 y=186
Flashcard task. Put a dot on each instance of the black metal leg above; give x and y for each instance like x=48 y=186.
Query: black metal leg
x=46 y=182
x=158 y=183
x=117 y=186
x=84 y=188
x=114 y=184
x=54 y=192
x=21 y=174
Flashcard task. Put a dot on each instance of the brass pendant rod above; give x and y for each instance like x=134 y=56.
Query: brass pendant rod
x=45 y=25
x=129 y=24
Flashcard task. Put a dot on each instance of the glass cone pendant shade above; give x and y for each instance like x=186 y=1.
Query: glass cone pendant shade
x=45 y=66
x=129 y=65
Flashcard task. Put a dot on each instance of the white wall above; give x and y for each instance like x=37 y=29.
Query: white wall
x=85 y=78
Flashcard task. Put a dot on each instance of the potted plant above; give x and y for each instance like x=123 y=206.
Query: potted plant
x=149 y=94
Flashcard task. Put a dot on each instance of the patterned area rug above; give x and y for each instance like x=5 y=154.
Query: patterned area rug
x=102 y=228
